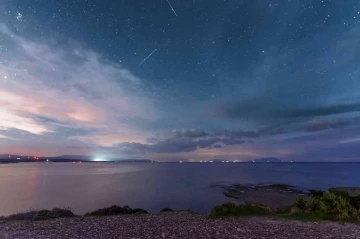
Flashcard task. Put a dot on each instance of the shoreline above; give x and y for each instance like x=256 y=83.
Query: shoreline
x=272 y=195
x=125 y=222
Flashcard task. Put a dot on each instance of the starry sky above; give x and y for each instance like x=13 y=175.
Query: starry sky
x=181 y=79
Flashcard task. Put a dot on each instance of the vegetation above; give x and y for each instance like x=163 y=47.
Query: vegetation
x=166 y=209
x=116 y=210
x=233 y=209
x=322 y=205
x=42 y=214
x=333 y=205
x=302 y=216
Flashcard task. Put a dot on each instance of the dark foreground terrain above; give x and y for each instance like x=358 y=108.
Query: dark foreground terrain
x=175 y=225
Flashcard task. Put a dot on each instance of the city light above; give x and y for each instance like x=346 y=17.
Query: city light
x=99 y=160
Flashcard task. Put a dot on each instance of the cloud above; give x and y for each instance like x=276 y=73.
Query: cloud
x=186 y=140
x=72 y=86
x=317 y=125
x=241 y=134
x=271 y=130
x=189 y=133
x=231 y=141
x=111 y=138
x=3 y=136
x=350 y=140
x=254 y=111
x=325 y=110
x=176 y=145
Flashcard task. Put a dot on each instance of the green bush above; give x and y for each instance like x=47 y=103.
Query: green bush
x=232 y=209
x=316 y=193
x=337 y=206
x=116 y=210
x=333 y=205
x=301 y=203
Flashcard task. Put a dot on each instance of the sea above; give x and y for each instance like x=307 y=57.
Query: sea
x=153 y=186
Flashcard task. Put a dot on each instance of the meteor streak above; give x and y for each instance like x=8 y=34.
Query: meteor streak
x=172 y=7
x=148 y=56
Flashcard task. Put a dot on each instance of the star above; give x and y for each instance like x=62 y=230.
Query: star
x=19 y=16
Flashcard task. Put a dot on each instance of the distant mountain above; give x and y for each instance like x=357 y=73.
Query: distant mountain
x=266 y=160
x=73 y=157
x=91 y=158
x=218 y=160
x=4 y=158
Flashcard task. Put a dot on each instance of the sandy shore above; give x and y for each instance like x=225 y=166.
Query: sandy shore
x=175 y=225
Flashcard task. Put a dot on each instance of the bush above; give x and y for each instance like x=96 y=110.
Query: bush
x=232 y=209
x=316 y=193
x=166 y=210
x=356 y=202
x=337 y=206
x=303 y=204
x=331 y=205
x=42 y=214
x=116 y=210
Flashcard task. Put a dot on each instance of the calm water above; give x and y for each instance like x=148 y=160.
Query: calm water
x=85 y=187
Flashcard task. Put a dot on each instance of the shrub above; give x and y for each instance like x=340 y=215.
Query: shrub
x=232 y=209
x=316 y=193
x=333 y=205
x=337 y=207
x=42 y=214
x=312 y=204
x=166 y=210
x=116 y=210
x=139 y=211
x=356 y=202
x=303 y=204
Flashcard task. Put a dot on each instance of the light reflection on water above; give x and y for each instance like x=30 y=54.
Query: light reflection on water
x=90 y=186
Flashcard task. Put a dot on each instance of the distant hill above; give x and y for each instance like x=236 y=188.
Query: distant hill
x=266 y=160
x=73 y=157
x=4 y=158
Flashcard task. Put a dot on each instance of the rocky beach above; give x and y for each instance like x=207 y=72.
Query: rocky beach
x=175 y=225
x=183 y=224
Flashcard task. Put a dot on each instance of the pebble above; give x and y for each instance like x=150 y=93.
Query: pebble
x=177 y=225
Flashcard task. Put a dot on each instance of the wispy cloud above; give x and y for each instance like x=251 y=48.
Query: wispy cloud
x=72 y=86
x=350 y=140
x=319 y=125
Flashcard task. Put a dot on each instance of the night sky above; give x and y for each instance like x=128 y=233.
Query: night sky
x=181 y=79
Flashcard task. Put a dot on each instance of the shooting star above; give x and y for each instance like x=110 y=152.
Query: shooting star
x=172 y=7
x=148 y=56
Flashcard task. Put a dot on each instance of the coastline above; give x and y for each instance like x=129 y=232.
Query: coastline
x=125 y=222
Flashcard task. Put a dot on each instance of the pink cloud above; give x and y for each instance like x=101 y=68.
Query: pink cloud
x=74 y=88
